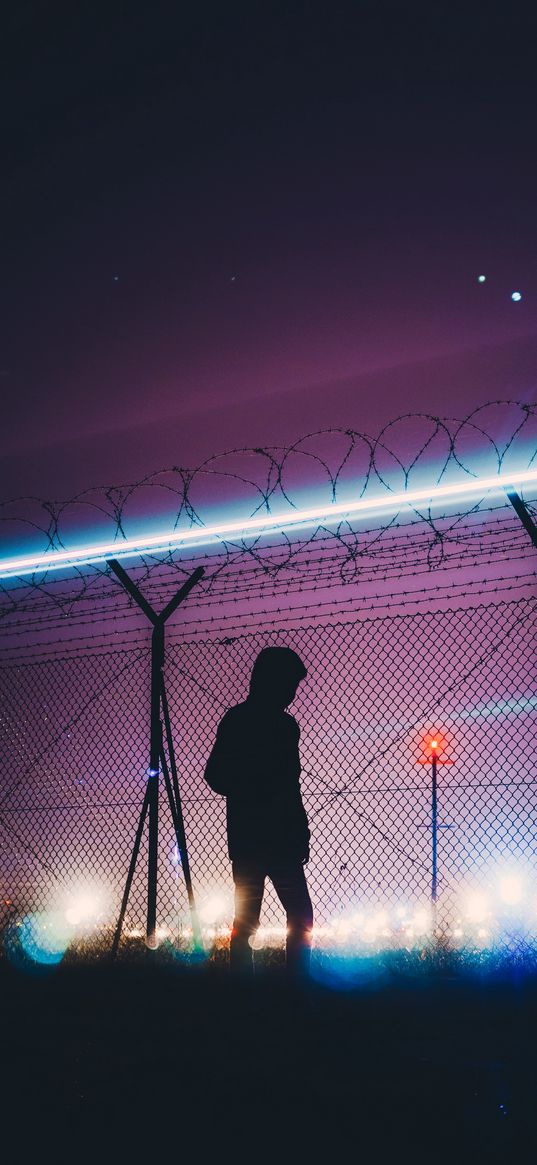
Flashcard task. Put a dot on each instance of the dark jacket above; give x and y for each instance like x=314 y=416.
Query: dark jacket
x=255 y=764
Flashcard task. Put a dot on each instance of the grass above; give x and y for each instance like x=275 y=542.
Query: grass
x=406 y=1056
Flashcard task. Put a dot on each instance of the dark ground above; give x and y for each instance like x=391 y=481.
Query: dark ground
x=121 y=1060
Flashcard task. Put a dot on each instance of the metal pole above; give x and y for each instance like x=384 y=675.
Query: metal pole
x=434 y=828
x=155 y=748
x=174 y=796
x=177 y=816
x=130 y=875
x=151 y=798
x=523 y=513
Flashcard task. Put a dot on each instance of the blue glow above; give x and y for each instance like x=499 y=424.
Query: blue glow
x=516 y=296
x=512 y=707
x=44 y=937
x=346 y=972
x=236 y=531
x=481 y=278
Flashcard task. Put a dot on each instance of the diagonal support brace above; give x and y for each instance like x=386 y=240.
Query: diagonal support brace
x=523 y=513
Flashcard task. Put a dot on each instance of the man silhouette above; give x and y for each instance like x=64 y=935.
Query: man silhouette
x=255 y=764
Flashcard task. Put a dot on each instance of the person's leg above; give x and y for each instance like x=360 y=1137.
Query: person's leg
x=290 y=884
x=249 y=882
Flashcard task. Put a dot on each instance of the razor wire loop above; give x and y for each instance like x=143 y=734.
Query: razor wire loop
x=111 y=501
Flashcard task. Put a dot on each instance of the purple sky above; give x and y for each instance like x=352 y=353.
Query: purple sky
x=231 y=227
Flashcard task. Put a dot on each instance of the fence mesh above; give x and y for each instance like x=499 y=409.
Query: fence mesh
x=76 y=736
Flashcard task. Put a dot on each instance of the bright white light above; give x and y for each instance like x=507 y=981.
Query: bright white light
x=477 y=908
x=342 y=929
x=511 y=889
x=516 y=295
x=374 y=925
x=250 y=527
x=481 y=278
x=214 y=908
x=84 y=908
x=421 y=921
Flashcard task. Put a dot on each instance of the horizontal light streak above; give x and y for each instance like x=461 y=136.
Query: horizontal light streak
x=253 y=527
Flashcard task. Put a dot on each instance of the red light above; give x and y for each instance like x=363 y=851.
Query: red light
x=433 y=744
x=434 y=747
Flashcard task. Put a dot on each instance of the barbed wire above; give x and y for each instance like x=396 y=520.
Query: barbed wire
x=331 y=466
x=395 y=603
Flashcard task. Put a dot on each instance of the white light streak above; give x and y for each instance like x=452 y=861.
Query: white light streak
x=253 y=527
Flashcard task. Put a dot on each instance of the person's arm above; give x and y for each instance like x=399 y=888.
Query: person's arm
x=237 y=763
x=219 y=770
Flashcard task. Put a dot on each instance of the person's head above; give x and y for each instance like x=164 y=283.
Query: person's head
x=276 y=675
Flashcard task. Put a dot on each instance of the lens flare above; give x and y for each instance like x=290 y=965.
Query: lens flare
x=511 y=889
x=44 y=937
x=84 y=907
x=214 y=909
x=477 y=908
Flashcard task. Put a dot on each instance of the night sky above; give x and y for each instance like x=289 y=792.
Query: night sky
x=234 y=224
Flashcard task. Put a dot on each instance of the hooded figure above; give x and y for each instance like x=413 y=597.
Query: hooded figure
x=255 y=764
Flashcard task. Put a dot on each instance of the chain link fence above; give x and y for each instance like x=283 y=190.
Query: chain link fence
x=75 y=749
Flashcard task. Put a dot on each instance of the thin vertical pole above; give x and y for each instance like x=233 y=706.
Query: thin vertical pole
x=155 y=748
x=434 y=828
x=174 y=795
x=130 y=875
x=177 y=816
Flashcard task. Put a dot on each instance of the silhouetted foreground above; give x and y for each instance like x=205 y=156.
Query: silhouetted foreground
x=255 y=765
x=189 y=1060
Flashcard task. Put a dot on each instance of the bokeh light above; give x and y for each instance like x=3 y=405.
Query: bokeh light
x=215 y=908
x=433 y=743
x=477 y=907
x=85 y=908
x=86 y=905
x=511 y=888
x=44 y=937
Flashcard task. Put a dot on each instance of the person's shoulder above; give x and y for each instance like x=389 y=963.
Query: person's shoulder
x=229 y=724
x=233 y=714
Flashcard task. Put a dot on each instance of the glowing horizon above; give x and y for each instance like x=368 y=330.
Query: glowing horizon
x=252 y=527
